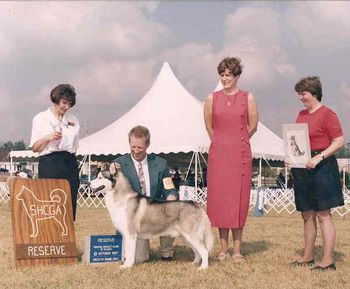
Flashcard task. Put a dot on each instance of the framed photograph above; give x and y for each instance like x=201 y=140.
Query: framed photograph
x=296 y=144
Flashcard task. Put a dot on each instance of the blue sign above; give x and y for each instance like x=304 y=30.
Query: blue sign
x=105 y=248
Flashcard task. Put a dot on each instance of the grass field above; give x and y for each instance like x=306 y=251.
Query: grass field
x=270 y=242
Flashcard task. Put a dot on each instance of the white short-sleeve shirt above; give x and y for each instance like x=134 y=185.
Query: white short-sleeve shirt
x=46 y=122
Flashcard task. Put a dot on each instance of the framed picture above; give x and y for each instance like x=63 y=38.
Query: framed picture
x=296 y=144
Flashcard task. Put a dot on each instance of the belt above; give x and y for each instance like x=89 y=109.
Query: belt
x=314 y=153
x=55 y=154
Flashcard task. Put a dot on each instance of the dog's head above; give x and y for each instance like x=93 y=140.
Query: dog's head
x=292 y=140
x=122 y=185
x=101 y=183
x=24 y=193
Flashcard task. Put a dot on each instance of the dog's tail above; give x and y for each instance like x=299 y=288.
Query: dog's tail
x=208 y=234
x=58 y=196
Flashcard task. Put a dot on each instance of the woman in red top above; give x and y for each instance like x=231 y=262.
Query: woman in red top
x=317 y=188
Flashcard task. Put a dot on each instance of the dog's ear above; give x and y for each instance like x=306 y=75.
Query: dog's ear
x=117 y=167
x=114 y=178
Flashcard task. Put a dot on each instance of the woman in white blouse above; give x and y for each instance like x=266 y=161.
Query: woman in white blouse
x=55 y=134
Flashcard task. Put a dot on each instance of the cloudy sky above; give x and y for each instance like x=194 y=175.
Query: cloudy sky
x=112 y=51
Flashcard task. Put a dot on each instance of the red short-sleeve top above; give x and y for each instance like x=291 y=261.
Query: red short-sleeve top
x=324 y=126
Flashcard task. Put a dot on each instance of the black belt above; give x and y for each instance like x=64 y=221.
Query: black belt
x=314 y=153
x=64 y=154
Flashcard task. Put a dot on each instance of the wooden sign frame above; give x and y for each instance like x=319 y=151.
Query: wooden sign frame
x=42 y=222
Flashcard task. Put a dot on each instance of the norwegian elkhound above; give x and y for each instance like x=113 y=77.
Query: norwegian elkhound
x=139 y=217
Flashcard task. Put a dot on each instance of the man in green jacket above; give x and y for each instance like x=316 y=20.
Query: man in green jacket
x=149 y=176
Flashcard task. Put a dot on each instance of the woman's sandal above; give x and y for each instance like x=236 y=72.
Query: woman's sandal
x=302 y=263
x=224 y=256
x=238 y=258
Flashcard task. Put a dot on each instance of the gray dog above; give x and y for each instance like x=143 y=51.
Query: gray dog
x=138 y=217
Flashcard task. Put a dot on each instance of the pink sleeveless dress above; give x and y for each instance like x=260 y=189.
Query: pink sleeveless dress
x=230 y=161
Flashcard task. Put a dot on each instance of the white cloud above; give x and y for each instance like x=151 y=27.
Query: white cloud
x=110 y=51
x=113 y=81
x=255 y=35
x=195 y=65
x=81 y=28
x=345 y=90
x=5 y=101
x=344 y=97
x=253 y=27
x=13 y=121
x=321 y=25
x=102 y=48
x=148 y=6
x=5 y=47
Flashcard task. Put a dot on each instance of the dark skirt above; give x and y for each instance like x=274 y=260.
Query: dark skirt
x=318 y=189
x=61 y=165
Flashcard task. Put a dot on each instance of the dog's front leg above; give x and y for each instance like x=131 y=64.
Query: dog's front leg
x=130 y=249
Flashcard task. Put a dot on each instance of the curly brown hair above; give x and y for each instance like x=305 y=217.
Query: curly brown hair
x=233 y=64
x=63 y=91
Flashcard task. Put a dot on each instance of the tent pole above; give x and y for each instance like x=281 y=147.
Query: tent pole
x=189 y=166
x=286 y=178
x=11 y=164
x=200 y=169
x=196 y=171
x=89 y=170
x=259 y=177
x=203 y=158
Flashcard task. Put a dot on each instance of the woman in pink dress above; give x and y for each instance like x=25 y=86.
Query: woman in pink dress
x=231 y=118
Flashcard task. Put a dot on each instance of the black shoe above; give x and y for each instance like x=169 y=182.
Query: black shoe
x=167 y=259
x=302 y=264
x=329 y=267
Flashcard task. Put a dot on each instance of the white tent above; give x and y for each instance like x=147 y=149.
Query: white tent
x=173 y=116
x=23 y=154
x=267 y=145
x=175 y=120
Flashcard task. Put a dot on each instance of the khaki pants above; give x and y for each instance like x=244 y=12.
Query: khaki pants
x=142 y=248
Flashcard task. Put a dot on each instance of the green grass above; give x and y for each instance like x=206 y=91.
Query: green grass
x=269 y=244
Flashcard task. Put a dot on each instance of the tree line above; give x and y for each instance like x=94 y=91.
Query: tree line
x=6 y=147
x=343 y=153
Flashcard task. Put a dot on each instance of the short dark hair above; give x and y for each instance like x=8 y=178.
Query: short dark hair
x=140 y=132
x=63 y=91
x=231 y=63
x=310 y=84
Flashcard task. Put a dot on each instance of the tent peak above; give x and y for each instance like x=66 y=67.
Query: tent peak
x=165 y=79
x=165 y=64
x=166 y=70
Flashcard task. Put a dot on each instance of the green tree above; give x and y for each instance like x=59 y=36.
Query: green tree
x=343 y=153
x=6 y=147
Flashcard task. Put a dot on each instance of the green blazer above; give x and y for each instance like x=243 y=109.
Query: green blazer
x=158 y=170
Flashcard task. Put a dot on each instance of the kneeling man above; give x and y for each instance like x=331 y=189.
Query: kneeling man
x=149 y=176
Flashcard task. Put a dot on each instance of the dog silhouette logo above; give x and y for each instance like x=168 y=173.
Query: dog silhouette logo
x=37 y=210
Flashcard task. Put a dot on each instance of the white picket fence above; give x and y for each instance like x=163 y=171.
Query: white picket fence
x=273 y=200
